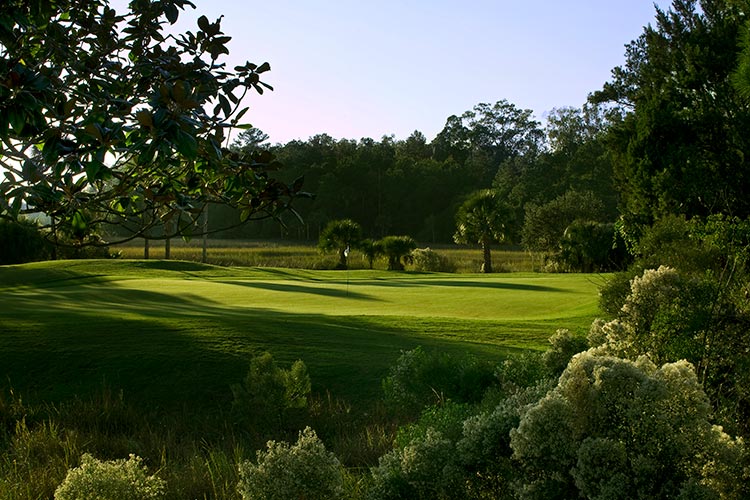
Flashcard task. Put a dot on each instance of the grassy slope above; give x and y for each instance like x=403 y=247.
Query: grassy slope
x=174 y=333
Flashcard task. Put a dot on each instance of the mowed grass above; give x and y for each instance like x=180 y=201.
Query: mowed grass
x=175 y=335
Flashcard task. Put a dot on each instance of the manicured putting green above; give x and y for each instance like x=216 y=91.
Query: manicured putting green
x=175 y=332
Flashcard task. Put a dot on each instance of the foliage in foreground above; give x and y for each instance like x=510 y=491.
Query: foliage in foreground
x=283 y=471
x=268 y=393
x=110 y=480
x=614 y=425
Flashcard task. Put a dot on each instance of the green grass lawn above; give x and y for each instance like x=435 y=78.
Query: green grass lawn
x=173 y=334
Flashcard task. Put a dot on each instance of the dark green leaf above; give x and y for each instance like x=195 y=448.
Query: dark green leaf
x=171 y=12
x=78 y=222
x=186 y=145
x=203 y=23
x=17 y=119
x=226 y=107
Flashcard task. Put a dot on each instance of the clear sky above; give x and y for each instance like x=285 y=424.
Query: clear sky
x=356 y=69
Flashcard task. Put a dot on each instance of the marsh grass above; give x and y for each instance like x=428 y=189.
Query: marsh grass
x=196 y=456
x=304 y=255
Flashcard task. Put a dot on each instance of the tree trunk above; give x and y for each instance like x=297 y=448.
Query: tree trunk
x=487 y=266
x=167 y=241
x=204 y=256
x=54 y=238
x=145 y=248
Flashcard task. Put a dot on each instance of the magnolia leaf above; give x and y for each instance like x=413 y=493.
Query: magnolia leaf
x=144 y=118
x=203 y=23
x=186 y=144
x=171 y=13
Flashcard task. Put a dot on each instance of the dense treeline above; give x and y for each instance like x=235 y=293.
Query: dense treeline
x=415 y=186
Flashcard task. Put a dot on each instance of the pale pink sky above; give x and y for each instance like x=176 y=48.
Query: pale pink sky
x=356 y=69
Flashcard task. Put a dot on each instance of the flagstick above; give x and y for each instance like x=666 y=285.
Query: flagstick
x=346 y=254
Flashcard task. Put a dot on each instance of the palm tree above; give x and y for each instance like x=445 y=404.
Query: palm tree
x=397 y=248
x=481 y=219
x=340 y=236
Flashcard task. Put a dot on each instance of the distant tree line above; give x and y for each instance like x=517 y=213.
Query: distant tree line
x=415 y=186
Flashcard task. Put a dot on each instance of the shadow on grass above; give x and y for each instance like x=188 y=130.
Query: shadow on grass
x=295 y=288
x=180 y=351
x=466 y=284
x=171 y=265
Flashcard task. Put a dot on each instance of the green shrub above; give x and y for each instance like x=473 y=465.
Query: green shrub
x=419 y=379
x=448 y=419
x=110 y=480
x=425 y=468
x=484 y=447
x=268 y=392
x=590 y=246
x=22 y=242
x=522 y=370
x=615 y=290
x=427 y=260
x=282 y=472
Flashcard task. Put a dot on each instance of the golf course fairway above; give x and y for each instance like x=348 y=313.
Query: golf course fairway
x=174 y=333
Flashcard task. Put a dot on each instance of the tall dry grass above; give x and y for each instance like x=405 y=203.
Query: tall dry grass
x=304 y=255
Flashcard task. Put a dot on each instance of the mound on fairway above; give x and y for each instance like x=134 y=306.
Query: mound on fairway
x=175 y=333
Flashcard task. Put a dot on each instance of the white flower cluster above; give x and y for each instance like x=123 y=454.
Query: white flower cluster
x=302 y=470
x=110 y=480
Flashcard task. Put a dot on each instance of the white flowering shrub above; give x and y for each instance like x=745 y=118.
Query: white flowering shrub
x=486 y=436
x=563 y=346
x=705 y=319
x=426 y=468
x=613 y=426
x=304 y=470
x=666 y=316
x=110 y=480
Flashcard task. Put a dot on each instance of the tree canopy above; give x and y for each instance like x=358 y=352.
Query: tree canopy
x=106 y=116
x=681 y=144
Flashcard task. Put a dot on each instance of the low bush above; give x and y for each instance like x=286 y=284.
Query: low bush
x=22 y=242
x=427 y=260
x=283 y=471
x=110 y=480
x=615 y=428
x=564 y=345
x=420 y=379
x=448 y=419
x=268 y=393
x=425 y=468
